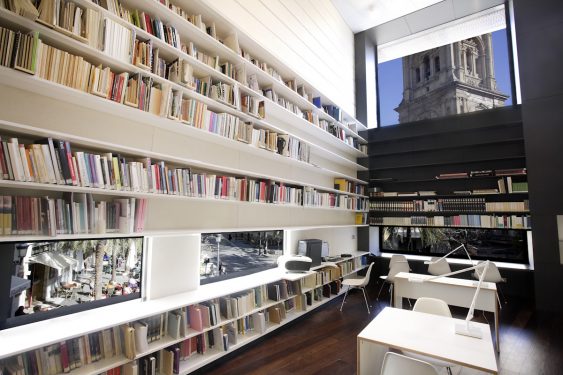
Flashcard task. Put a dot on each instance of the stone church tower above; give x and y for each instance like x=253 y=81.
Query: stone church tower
x=452 y=79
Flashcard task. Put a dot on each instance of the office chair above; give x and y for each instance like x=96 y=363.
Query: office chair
x=398 y=266
x=397 y=364
x=359 y=283
x=437 y=307
x=439 y=268
x=492 y=276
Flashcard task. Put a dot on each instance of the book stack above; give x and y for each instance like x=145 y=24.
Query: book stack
x=252 y=106
x=19 y=51
x=475 y=221
x=70 y=354
x=75 y=213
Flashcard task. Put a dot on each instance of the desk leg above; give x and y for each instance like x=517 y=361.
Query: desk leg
x=497 y=311
x=370 y=357
x=397 y=299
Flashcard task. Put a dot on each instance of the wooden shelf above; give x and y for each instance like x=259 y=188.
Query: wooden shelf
x=504 y=196
x=444 y=226
x=381 y=213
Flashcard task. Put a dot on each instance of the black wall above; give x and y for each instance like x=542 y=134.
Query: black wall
x=539 y=34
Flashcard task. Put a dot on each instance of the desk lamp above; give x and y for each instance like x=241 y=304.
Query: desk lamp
x=451 y=252
x=466 y=328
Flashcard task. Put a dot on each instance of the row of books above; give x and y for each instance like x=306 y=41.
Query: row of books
x=483 y=173
x=74 y=213
x=314 y=198
x=313 y=118
x=70 y=354
x=477 y=221
x=54 y=162
x=133 y=339
x=120 y=42
x=142 y=92
x=351 y=265
x=143 y=21
x=19 y=50
x=348 y=186
x=449 y=204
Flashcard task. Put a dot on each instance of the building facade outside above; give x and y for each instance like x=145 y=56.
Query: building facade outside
x=452 y=79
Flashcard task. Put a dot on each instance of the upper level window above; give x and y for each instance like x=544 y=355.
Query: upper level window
x=470 y=67
x=474 y=72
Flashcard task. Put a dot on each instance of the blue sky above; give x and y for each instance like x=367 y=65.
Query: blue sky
x=390 y=76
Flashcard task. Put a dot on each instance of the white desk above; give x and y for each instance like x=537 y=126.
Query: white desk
x=427 y=334
x=456 y=292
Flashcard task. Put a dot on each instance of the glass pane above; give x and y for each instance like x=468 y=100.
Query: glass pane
x=470 y=75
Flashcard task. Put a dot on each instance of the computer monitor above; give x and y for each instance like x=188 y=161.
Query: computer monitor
x=313 y=249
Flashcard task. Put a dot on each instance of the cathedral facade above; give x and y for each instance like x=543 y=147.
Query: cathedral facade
x=452 y=79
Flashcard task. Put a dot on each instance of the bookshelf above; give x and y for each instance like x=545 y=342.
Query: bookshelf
x=326 y=145
x=56 y=330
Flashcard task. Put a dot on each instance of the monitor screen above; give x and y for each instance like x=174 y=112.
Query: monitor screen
x=53 y=278
x=232 y=254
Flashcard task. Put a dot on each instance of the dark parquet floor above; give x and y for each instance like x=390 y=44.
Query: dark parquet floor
x=324 y=342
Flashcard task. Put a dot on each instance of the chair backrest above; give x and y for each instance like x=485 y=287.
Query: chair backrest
x=432 y=306
x=439 y=268
x=367 y=276
x=397 y=364
x=397 y=267
x=395 y=258
x=492 y=276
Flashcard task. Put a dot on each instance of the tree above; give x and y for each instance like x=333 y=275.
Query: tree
x=99 y=252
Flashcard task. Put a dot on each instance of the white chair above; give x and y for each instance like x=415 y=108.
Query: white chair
x=441 y=267
x=437 y=307
x=358 y=283
x=399 y=266
x=396 y=258
x=397 y=364
x=492 y=276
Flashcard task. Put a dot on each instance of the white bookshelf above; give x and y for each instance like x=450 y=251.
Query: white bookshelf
x=34 y=108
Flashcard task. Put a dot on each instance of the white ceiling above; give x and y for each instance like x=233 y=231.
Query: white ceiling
x=361 y=15
x=388 y=20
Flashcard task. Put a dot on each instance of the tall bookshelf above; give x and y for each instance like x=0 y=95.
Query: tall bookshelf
x=34 y=108
x=466 y=172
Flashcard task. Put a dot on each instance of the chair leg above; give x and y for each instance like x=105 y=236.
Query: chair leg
x=449 y=370
x=345 y=295
x=365 y=299
x=380 y=289
x=501 y=294
x=391 y=294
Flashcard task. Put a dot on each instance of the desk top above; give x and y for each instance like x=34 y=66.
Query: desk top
x=431 y=335
x=446 y=280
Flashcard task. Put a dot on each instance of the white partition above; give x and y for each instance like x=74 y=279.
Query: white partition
x=173 y=265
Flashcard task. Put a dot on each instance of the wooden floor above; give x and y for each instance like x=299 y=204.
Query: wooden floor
x=324 y=342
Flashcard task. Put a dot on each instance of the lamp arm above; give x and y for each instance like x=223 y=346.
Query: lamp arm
x=451 y=252
x=457 y=272
x=481 y=277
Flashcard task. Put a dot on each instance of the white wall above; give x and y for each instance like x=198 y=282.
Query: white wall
x=308 y=36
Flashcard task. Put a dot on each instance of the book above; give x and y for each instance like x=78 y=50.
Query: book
x=445 y=176
x=141 y=340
